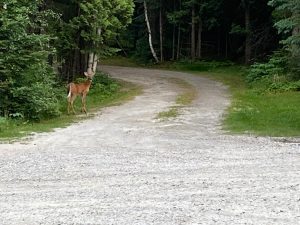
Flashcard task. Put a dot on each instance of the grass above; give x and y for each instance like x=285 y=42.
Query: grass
x=95 y=101
x=171 y=113
x=264 y=114
x=269 y=114
x=183 y=99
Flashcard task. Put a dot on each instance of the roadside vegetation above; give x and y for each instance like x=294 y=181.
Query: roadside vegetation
x=104 y=91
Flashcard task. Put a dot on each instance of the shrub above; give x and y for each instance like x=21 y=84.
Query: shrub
x=26 y=79
x=273 y=76
x=274 y=68
x=3 y=123
x=104 y=84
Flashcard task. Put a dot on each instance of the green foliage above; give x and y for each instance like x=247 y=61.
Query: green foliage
x=274 y=68
x=25 y=76
x=97 y=24
x=237 y=29
x=273 y=75
x=287 y=14
x=105 y=85
x=3 y=123
x=30 y=34
x=142 y=53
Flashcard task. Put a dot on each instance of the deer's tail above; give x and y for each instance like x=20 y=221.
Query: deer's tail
x=69 y=90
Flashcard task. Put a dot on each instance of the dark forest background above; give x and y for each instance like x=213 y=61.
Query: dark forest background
x=237 y=30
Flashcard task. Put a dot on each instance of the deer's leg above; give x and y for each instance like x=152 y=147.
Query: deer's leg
x=69 y=104
x=71 y=101
x=83 y=100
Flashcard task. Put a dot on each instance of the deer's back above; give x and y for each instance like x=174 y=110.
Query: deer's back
x=80 y=88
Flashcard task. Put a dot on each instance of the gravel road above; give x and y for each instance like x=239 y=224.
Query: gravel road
x=125 y=167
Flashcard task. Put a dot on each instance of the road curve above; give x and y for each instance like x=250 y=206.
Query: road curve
x=125 y=167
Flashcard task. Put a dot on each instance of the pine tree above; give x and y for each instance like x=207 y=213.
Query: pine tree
x=287 y=13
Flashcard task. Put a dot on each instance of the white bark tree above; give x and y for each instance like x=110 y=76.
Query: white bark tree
x=149 y=32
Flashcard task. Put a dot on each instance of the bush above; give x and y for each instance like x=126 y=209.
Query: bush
x=36 y=102
x=274 y=68
x=104 y=84
x=3 y=123
x=273 y=76
x=26 y=79
x=285 y=86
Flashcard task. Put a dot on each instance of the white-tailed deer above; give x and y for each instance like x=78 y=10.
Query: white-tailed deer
x=80 y=89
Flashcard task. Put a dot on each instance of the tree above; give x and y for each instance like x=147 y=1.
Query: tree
x=149 y=32
x=287 y=14
x=239 y=30
x=246 y=5
x=175 y=18
x=101 y=21
x=89 y=31
x=26 y=79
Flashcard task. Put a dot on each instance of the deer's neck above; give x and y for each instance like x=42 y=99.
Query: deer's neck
x=88 y=82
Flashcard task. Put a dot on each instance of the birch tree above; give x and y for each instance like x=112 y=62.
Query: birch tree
x=149 y=32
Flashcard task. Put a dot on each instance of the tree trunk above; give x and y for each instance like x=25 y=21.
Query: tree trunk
x=173 y=36
x=295 y=47
x=178 y=43
x=226 y=46
x=93 y=57
x=173 y=44
x=149 y=33
x=95 y=62
x=248 y=35
x=199 y=46
x=90 y=60
x=161 y=33
x=193 y=44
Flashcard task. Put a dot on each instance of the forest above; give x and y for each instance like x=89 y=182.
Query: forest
x=47 y=43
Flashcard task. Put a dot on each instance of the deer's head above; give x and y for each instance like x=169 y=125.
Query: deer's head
x=89 y=74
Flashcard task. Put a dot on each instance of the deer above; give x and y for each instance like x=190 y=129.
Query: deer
x=80 y=89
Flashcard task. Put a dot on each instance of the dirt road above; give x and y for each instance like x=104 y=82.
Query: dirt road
x=126 y=167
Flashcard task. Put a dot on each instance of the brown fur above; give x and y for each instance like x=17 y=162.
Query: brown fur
x=79 y=89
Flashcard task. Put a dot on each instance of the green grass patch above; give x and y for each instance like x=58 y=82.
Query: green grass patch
x=183 y=99
x=265 y=114
x=171 y=113
x=98 y=98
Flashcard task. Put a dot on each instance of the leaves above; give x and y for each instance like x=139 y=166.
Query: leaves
x=26 y=79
